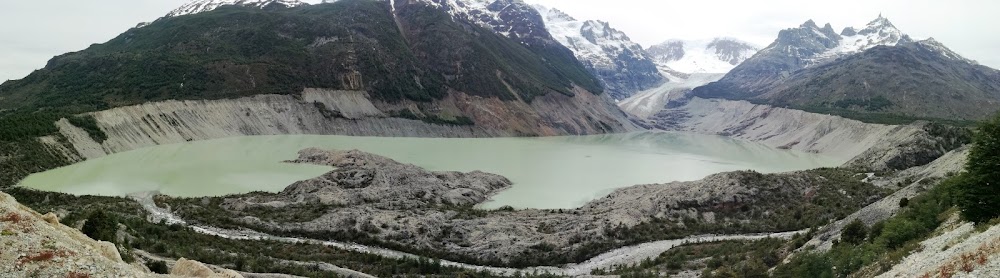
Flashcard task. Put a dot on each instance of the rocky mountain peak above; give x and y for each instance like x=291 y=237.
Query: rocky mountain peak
x=622 y=65
x=596 y=30
x=731 y=50
x=879 y=25
x=510 y=18
x=552 y=14
x=810 y=44
x=849 y=31
x=671 y=50
x=809 y=24
x=200 y=6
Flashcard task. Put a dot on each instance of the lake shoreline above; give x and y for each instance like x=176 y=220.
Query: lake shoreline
x=577 y=169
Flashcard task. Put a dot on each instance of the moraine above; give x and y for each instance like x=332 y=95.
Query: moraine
x=549 y=172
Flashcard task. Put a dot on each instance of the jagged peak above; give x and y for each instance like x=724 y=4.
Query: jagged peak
x=809 y=24
x=553 y=14
x=603 y=29
x=878 y=25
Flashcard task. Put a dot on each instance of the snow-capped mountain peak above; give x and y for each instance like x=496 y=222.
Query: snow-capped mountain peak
x=878 y=32
x=199 y=6
x=594 y=42
x=552 y=15
x=600 y=32
x=718 y=55
x=511 y=18
x=622 y=65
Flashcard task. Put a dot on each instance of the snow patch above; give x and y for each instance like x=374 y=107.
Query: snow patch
x=591 y=41
x=200 y=6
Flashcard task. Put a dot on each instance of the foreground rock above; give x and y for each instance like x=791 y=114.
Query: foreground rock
x=36 y=245
x=372 y=199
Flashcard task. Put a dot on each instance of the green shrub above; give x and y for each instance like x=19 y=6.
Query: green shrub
x=101 y=226
x=158 y=267
x=854 y=233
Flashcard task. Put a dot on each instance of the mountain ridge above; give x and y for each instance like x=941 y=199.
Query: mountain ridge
x=876 y=73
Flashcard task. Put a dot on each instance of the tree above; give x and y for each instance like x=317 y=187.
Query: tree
x=854 y=233
x=977 y=193
x=101 y=226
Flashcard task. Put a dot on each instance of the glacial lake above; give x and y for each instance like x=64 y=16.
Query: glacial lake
x=548 y=173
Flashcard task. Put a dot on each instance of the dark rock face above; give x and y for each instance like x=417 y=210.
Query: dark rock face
x=669 y=51
x=630 y=70
x=731 y=51
x=849 y=31
x=519 y=21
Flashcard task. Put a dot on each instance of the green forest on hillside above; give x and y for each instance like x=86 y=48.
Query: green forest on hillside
x=352 y=44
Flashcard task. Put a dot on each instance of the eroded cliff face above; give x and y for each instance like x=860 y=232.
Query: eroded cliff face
x=327 y=112
x=780 y=127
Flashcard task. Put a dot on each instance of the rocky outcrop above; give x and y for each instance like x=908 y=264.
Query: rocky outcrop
x=35 y=246
x=189 y=268
x=362 y=178
x=327 y=112
x=400 y=204
x=917 y=147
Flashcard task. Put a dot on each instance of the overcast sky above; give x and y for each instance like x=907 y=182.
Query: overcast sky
x=36 y=30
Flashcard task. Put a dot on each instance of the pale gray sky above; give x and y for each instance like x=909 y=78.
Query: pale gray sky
x=34 y=31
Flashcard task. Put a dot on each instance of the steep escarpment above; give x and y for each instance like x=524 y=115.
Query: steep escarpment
x=326 y=112
x=871 y=146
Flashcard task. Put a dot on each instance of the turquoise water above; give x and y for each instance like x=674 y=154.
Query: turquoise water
x=551 y=172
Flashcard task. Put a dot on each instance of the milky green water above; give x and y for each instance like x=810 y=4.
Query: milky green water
x=554 y=172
